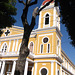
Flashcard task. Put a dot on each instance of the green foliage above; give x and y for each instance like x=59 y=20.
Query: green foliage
x=7 y=11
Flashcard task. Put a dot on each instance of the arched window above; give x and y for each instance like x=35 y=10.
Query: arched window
x=47 y=19
x=4 y=47
x=31 y=47
x=44 y=71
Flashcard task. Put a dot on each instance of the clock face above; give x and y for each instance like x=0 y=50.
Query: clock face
x=45 y=40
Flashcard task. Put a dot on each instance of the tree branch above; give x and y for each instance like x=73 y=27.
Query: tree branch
x=44 y=6
x=22 y=2
x=35 y=13
x=35 y=2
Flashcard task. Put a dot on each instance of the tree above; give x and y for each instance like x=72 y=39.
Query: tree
x=7 y=11
x=24 y=51
x=67 y=10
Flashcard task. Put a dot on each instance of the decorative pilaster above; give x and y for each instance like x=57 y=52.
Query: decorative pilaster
x=26 y=68
x=3 y=66
x=13 y=67
x=52 y=65
x=54 y=17
x=35 y=68
x=61 y=70
x=56 y=68
x=32 y=70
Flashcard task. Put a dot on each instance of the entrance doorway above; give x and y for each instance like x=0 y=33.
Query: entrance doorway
x=8 y=68
x=30 y=66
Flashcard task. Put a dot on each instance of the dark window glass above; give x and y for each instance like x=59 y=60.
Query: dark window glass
x=31 y=47
x=48 y=48
x=41 y=48
x=43 y=71
x=47 y=19
x=45 y=40
x=58 y=72
x=57 y=42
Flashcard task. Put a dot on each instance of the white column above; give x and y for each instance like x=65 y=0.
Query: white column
x=13 y=67
x=56 y=68
x=54 y=17
x=39 y=21
x=3 y=66
x=61 y=70
x=26 y=68
x=35 y=68
x=32 y=70
x=52 y=68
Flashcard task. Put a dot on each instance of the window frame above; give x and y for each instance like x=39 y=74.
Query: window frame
x=42 y=68
x=41 y=51
x=33 y=46
x=58 y=71
x=44 y=38
x=4 y=47
x=48 y=25
x=46 y=19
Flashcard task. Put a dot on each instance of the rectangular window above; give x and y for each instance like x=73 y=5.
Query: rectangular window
x=41 y=48
x=48 y=48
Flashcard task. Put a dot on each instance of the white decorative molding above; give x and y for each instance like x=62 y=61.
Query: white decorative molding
x=26 y=68
x=54 y=17
x=3 y=66
x=68 y=59
x=8 y=59
x=39 y=21
x=13 y=67
x=35 y=68
x=56 y=68
x=66 y=70
x=52 y=67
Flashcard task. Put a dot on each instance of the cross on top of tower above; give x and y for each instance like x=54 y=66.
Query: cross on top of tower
x=7 y=32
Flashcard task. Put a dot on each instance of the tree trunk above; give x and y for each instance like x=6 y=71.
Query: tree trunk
x=24 y=52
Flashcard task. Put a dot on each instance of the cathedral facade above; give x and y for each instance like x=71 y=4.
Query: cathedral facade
x=46 y=55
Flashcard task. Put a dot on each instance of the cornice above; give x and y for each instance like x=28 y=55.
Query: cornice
x=45 y=56
x=67 y=57
x=67 y=70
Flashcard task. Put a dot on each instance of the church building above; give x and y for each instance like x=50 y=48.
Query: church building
x=46 y=55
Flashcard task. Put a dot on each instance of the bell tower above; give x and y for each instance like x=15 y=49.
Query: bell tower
x=49 y=34
x=49 y=16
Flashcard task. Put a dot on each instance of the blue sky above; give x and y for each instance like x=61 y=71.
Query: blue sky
x=65 y=44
